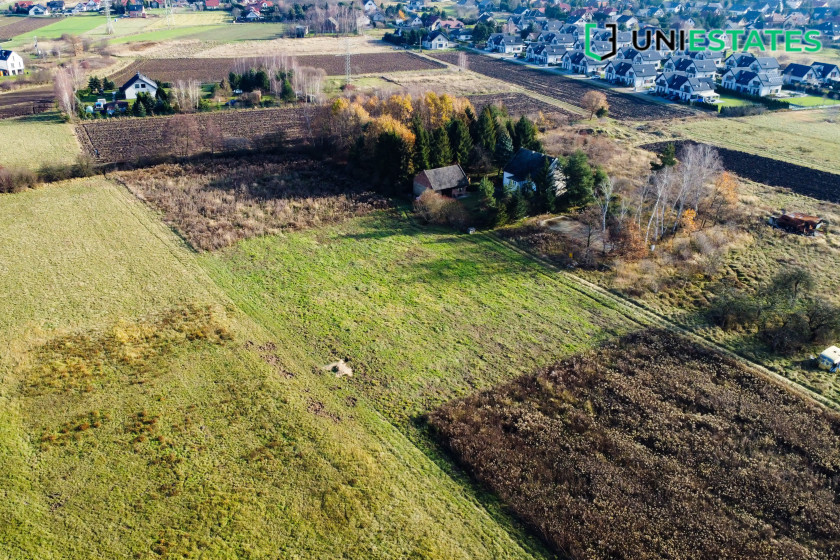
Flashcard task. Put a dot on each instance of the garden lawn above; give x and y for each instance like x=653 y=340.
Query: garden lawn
x=129 y=431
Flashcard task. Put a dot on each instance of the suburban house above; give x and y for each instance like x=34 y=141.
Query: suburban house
x=690 y=67
x=135 y=10
x=55 y=5
x=799 y=74
x=22 y=7
x=370 y=6
x=448 y=181
x=11 y=64
x=138 y=84
x=581 y=64
x=641 y=76
x=741 y=61
x=437 y=40
x=505 y=43
x=212 y=4
x=545 y=54
x=39 y=10
x=524 y=166
x=683 y=88
x=753 y=83
x=826 y=73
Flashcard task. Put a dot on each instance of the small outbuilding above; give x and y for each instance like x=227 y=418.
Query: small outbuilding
x=449 y=181
x=829 y=359
x=139 y=84
x=797 y=222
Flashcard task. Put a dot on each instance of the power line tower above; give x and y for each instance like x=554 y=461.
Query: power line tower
x=109 y=23
x=167 y=10
x=347 y=60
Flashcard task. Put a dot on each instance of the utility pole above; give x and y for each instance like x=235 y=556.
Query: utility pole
x=167 y=8
x=109 y=23
x=347 y=60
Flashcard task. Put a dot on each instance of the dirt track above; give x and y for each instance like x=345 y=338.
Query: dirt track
x=800 y=179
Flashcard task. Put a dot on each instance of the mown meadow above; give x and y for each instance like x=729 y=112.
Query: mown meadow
x=143 y=414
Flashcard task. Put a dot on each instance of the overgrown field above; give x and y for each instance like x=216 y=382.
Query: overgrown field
x=143 y=416
x=154 y=136
x=210 y=70
x=218 y=202
x=652 y=447
x=421 y=315
x=810 y=138
x=567 y=90
x=35 y=140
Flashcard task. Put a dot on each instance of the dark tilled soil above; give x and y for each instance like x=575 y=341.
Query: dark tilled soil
x=568 y=90
x=821 y=185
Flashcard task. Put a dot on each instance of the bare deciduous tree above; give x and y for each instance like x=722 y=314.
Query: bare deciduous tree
x=187 y=94
x=594 y=100
x=65 y=91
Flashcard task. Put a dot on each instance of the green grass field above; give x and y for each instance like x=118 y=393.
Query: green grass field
x=203 y=448
x=32 y=141
x=813 y=101
x=169 y=34
x=422 y=315
x=810 y=138
x=242 y=32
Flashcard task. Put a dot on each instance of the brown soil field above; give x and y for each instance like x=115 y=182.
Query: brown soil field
x=211 y=70
x=23 y=25
x=567 y=90
x=821 y=185
x=25 y=102
x=106 y=140
x=653 y=447
x=518 y=104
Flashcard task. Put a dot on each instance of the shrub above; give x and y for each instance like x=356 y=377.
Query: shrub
x=434 y=208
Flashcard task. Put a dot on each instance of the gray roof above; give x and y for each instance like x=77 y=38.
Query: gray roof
x=526 y=163
x=4 y=55
x=441 y=178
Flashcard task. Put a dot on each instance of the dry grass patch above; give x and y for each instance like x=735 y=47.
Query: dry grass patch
x=218 y=202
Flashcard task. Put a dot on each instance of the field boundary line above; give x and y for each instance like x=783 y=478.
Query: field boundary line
x=646 y=316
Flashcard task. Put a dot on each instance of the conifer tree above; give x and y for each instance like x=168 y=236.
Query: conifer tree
x=486 y=130
x=504 y=147
x=459 y=140
x=441 y=154
x=422 y=145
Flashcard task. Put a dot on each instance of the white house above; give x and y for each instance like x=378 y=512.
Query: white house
x=139 y=84
x=505 y=43
x=525 y=166
x=826 y=73
x=799 y=74
x=684 y=88
x=637 y=76
x=11 y=64
x=540 y=53
x=370 y=6
x=752 y=83
x=39 y=10
x=437 y=40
